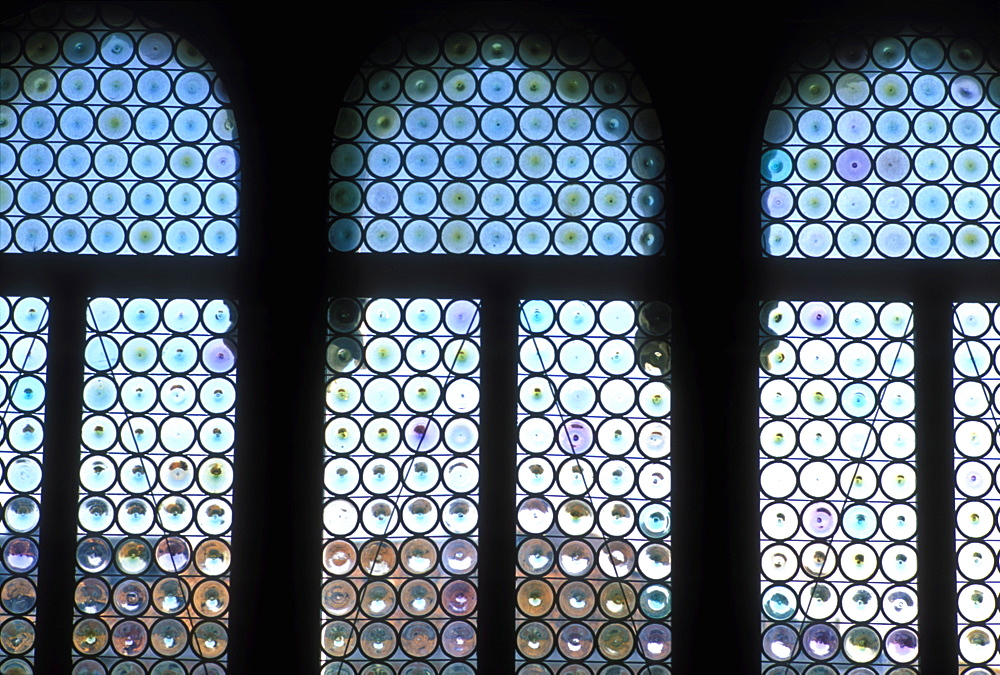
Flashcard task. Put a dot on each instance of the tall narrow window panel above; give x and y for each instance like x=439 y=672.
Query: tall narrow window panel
x=837 y=487
x=116 y=136
x=593 y=487
x=976 y=340
x=880 y=144
x=494 y=142
x=156 y=476
x=23 y=361
x=401 y=514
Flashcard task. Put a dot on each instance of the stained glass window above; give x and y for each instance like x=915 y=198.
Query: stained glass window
x=838 y=484
x=505 y=140
x=116 y=136
x=497 y=142
x=593 y=485
x=401 y=512
x=156 y=477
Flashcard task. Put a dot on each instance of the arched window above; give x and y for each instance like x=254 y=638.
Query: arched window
x=880 y=144
x=497 y=472
x=116 y=139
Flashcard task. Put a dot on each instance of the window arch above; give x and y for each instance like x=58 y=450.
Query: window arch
x=117 y=138
x=492 y=138
x=879 y=144
x=497 y=140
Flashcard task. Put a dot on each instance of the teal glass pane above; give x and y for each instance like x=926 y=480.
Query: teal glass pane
x=593 y=577
x=156 y=487
x=881 y=144
x=838 y=515
x=115 y=137
x=497 y=142
x=401 y=515
x=23 y=363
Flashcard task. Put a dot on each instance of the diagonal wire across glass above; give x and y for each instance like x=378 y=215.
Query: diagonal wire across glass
x=401 y=512
x=156 y=476
x=495 y=141
x=593 y=486
x=837 y=480
x=23 y=364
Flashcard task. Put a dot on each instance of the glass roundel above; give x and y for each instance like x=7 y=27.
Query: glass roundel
x=882 y=144
x=497 y=141
x=23 y=365
x=593 y=579
x=838 y=514
x=401 y=501
x=116 y=136
x=156 y=470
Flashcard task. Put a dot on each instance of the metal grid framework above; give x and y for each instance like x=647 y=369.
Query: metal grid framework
x=23 y=361
x=976 y=338
x=115 y=137
x=593 y=487
x=401 y=513
x=882 y=145
x=156 y=475
x=497 y=142
x=837 y=488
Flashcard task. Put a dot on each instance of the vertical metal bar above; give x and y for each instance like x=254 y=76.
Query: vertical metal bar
x=498 y=439
x=935 y=485
x=57 y=531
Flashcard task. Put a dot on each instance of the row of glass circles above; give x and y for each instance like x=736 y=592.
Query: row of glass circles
x=926 y=130
x=855 y=202
x=168 y=595
x=860 y=603
x=71 y=235
x=612 y=641
x=888 y=240
x=119 y=103
x=400 y=640
x=576 y=600
x=822 y=641
x=166 y=637
x=416 y=597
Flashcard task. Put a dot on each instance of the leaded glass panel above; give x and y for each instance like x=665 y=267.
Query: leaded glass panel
x=976 y=339
x=401 y=512
x=837 y=486
x=593 y=486
x=115 y=137
x=156 y=477
x=23 y=363
x=881 y=145
x=497 y=142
